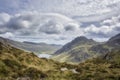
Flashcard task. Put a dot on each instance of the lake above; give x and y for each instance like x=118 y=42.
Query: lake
x=44 y=56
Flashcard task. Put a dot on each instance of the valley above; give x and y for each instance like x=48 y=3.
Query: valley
x=59 y=39
x=22 y=65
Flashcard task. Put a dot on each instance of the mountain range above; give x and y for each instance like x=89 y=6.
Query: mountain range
x=16 y=64
x=81 y=48
x=78 y=50
x=38 y=48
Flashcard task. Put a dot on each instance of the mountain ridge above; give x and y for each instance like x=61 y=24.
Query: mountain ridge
x=75 y=51
x=85 y=48
x=16 y=64
x=75 y=42
x=32 y=47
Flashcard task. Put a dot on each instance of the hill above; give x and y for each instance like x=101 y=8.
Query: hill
x=16 y=64
x=105 y=67
x=39 y=48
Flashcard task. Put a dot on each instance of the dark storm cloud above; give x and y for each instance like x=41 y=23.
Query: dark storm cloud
x=70 y=28
x=51 y=27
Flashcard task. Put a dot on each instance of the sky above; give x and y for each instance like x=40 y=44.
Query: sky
x=59 y=21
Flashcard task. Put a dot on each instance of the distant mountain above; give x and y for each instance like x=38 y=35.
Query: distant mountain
x=82 y=48
x=34 y=43
x=16 y=64
x=38 y=48
x=114 y=41
x=112 y=44
x=76 y=50
x=75 y=43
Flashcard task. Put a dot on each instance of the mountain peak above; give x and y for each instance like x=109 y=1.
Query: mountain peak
x=115 y=37
x=81 y=40
x=115 y=40
x=78 y=41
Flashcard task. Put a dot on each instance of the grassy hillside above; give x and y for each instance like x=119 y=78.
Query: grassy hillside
x=105 y=67
x=17 y=64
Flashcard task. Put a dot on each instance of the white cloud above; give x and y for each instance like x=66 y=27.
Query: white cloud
x=54 y=27
x=66 y=7
x=54 y=20
x=7 y=35
x=108 y=28
x=38 y=25
x=4 y=17
x=102 y=29
x=108 y=21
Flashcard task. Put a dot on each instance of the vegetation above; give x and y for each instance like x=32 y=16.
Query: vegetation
x=17 y=64
x=21 y=65
x=102 y=68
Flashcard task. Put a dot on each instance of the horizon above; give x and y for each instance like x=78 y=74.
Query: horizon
x=57 y=43
x=53 y=22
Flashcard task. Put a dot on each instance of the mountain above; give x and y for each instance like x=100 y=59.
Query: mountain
x=112 y=44
x=114 y=41
x=82 y=48
x=38 y=48
x=75 y=43
x=75 y=51
x=105 y=67
x=16 y=64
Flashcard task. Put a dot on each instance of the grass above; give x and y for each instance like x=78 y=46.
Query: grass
x=15 y=63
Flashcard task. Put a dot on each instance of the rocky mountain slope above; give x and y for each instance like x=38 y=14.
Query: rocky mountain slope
x=112 y=44
x=76 y=50
x=40 y=48
x=82 y=48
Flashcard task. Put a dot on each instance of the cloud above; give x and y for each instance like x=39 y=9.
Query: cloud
x=48 y=23
x=52 y=28
x=4 y=17
x=35 y=24
x=72 y=27
x=108 y=28
x=102 y=29
x=17 y=23
x=7 y=35
x=59 y=20
x=66 y=7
